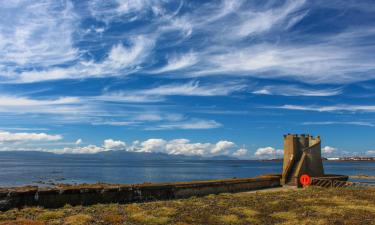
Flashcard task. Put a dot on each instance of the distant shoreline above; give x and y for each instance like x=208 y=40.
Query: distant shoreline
x=362 y=176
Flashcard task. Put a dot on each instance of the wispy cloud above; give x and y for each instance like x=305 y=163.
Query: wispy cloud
x=293 y=90
x=110 y=10
x=22 y=101
x=333 y=108
x=356 y=123
x=120 y=61
x=116 y=123
x=178 y=62
x=318 y=63
x=195 y=89
x=100 y=111
x=122 y=96
x=39 y=34
x=24 y=128
x=254 y=21
x=158 y=94
x=242 y=42
x=193 y=124
x=16 y=137
x=61 y=105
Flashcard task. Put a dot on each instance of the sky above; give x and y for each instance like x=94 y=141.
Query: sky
x=204 y=78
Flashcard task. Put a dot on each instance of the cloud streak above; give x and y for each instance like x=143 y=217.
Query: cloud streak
x=356 y=123
x=16 y=137
x=333 y=108
x=292 y=90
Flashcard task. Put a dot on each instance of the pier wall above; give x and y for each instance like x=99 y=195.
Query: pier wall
x=107 y=193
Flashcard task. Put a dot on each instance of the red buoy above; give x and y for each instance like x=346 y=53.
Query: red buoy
x=305 y=180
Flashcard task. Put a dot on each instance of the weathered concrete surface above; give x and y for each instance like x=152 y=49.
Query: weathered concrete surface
x=110 y=193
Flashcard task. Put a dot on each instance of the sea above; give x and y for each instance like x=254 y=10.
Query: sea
x=45 y=172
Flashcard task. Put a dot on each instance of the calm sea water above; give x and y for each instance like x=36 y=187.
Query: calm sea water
x=14 y=172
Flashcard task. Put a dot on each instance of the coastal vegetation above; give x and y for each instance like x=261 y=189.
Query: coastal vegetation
x=282 y=206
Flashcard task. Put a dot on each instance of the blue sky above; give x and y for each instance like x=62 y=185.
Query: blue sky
x=187 y=77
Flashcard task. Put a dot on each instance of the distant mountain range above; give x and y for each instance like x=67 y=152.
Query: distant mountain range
x=108 y=156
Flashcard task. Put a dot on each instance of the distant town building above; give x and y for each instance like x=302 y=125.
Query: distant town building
x=333 y=158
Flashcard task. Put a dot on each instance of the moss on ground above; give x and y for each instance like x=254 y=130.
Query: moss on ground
x=307 y=206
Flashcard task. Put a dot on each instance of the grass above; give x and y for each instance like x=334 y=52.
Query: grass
x=303 y=206
x=50 y=215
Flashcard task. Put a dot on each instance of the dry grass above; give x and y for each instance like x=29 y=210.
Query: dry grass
x=228 y=219
x=113 y=218
x=309 y=206
x=50 y=215
x=79 y=219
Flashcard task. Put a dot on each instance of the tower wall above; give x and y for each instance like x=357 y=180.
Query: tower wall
x=302 y=155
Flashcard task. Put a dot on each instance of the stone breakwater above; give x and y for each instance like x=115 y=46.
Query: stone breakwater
x=88 y=194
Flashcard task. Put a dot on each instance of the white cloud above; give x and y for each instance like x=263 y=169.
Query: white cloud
x=319 y=63
x=90 y=149
x=191 y=124
x=116 y=123
x=293 y=90
x=356 y=123
x=195 y=89
x=333 y=108
x=185 y=147
x=223 y=147
x=185 y=28
x=178 y=62
x=337 y=58
x=39 y=34
x=127 y=6
x=61 y=105
x=240 y=152
x=120 y=60
x=9 y=101
x=269 y=152
x=154 y=145
x=110 y=10
x=120 y=96
x=41 y=42
x=94 y=110
x=24 y=128
x=108 y=144
x=121 y=57
x=159 y=93
x=255 y=22
x=114 y=145
x=328 y=150
x=371 y=152
x=78 y=141
x=14 y=137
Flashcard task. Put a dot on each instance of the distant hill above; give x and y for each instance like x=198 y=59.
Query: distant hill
x=107 y=156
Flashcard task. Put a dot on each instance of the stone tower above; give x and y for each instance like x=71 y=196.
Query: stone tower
x=302 y=155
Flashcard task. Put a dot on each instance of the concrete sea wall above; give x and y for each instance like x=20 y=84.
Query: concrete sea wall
x=107 y=193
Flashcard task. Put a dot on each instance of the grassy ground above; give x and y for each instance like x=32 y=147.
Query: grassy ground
x=309 y=206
